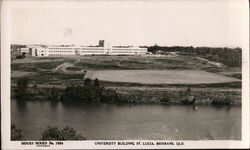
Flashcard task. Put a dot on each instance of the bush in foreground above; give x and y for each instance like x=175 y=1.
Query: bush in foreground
x=66 y=133
x=16 y=134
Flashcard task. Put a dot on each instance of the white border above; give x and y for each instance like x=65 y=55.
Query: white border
x=6 y=8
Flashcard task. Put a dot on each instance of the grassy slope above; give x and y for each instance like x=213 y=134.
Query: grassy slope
x=120 y=62
x=140 y=62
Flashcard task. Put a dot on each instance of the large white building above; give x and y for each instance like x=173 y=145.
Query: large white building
x=101 y=49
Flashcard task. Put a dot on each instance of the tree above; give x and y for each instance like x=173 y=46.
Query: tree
x=110 y=96
x=22 y=85
x=87 y=82
x=22 y=82
x=96 y=83
x=66 y=133
x=70 y=93
x=54 y=94
x=35 y=86
x=153 y=49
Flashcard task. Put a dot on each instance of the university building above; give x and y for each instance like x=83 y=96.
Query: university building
x=101 y=49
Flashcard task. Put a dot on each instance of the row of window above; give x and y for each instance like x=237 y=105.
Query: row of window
x=61 y=48
x=91 y=52
x=59 y=54
x=87 y=51
x=89 y=48
x=61 y=51
x=65 y=52
x=122 y=52
x=128 y=49
x=96 y=48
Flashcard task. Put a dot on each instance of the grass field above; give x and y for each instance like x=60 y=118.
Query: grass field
x=112 y=62
x=36 y=60
x=159 y=76
x=140 y=62
x=16 y=74
x=127 y=70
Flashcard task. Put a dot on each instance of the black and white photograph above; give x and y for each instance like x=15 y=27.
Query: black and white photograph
x=127 y=74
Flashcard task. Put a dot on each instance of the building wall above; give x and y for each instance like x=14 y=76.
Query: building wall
x=24 y=50
x=41 y=52
x=71 y=51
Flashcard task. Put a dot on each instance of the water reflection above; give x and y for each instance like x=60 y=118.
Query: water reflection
x=128 y=121
x=20 y=105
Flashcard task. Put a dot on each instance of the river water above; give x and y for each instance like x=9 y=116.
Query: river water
x=129 y=121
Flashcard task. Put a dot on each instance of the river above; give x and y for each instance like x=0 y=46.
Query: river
x=129 y=121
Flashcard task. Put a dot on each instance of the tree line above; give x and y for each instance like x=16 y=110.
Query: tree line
x=228 y=56
x=90 y=91
x=93 y=91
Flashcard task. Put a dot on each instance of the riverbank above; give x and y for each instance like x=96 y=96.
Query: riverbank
x=151 y=95
x=181 y=97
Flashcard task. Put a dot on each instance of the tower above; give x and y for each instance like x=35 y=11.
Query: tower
x=101 y=43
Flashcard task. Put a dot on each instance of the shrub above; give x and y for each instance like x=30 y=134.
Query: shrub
x=16 y=134
x=110 y=96
x=20 y=57
x=165 y=100
x=66 y=133
x=222 y=100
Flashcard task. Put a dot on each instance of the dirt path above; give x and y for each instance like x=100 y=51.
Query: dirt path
x=217 y=64
x=62 y=68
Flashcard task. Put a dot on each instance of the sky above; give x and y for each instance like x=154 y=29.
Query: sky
x=166 y=23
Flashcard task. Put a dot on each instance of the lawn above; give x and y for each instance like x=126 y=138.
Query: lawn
x=140 y=62
x=111 y=63
x=159 y=76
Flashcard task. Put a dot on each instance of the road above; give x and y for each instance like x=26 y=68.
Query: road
x=62 y=68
